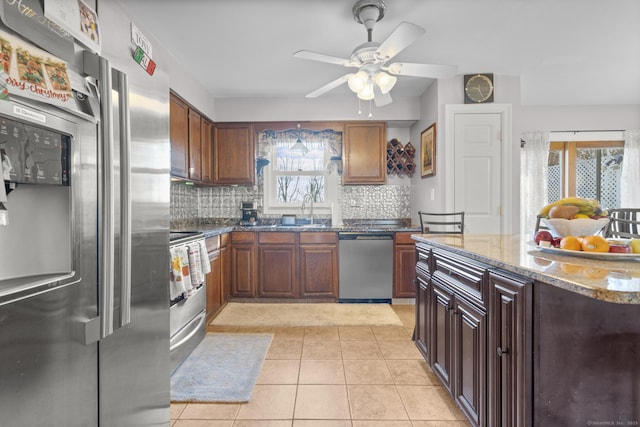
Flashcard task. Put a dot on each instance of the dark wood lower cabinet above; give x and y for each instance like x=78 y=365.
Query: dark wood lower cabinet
x=530 y=354
x=277 y=271
x=421 y=335
x=214 y=286
x=453 y=331
x=225 y=271
x=243 y=264
x=318 y=271
x=458 y=349
x=509 y=350
x=284 y=265
x=404 y=265
x=441 y=330
x=469 y=360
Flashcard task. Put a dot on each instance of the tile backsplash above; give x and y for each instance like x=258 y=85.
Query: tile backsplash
x=190 y=203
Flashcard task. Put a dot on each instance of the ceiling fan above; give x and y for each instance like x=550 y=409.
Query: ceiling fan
x=374 y=77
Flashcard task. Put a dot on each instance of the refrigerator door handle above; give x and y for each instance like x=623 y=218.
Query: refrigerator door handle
x=121 y=85
x=106 y=198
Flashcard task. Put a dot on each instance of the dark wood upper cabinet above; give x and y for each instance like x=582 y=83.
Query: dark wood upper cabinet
x=195 y=146
x=191 y=145
x=233 y=154
x=179 y=134
x=206 y=135
x=364 y=153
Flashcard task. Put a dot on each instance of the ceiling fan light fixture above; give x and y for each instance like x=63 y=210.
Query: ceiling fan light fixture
x=368 y=12
x=395 y=68
x=366 y=93
x=385 y=81
x=358 y=81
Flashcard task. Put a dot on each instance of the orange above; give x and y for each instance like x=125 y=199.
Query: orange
x=594 y=244
x=571 y=243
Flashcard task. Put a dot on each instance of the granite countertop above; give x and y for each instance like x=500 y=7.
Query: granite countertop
x=217 y=228
x=605 y=280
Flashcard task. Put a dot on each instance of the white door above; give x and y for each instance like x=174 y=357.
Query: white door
x=477 y=165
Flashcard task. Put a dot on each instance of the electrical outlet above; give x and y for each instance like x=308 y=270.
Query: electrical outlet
x=433 y=194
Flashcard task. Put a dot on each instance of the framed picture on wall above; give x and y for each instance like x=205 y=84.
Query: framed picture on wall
x=428 y=151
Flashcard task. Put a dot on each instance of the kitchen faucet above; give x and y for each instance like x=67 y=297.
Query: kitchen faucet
x=308 y=198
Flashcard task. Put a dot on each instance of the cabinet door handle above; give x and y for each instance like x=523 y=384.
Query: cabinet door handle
x=502 y=352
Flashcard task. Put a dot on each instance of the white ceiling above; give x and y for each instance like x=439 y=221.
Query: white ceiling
x=566 y=52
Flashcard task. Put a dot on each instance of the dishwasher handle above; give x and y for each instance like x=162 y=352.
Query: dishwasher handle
x=365 y=236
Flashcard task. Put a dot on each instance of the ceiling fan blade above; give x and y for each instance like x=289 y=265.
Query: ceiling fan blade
x=404 y=34
x=432 y=71
x=326 y=88
x=379 y=98
x=321 y=57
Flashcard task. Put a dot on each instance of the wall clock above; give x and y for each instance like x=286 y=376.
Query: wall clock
x=478 y=88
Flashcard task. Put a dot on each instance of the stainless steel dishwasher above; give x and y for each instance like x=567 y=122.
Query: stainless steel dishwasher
x=366 y=266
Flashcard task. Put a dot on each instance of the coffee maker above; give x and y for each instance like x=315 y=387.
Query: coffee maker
x=249 y=212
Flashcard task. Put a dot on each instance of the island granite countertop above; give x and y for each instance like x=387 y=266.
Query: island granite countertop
x=604 y=280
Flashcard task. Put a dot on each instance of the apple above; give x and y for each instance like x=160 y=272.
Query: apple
x=556 y=242
x=619 y=249
x=542 y=236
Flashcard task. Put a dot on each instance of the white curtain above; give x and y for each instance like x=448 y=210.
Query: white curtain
x=534 y=165
x=630 y=174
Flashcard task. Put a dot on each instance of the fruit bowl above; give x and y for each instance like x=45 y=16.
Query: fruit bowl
x=575 y=227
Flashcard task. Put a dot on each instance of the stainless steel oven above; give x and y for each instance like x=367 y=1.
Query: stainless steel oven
x=187 y=310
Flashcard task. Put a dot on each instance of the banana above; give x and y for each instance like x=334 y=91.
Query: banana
x=586 y=206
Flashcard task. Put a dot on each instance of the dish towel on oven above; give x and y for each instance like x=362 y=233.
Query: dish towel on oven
x=176 y=277
x=4 y=215
x=195 y=264
x=204 y=257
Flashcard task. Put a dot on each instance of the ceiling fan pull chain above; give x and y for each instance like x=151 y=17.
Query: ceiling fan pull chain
x=359 y=109
x=370 y=114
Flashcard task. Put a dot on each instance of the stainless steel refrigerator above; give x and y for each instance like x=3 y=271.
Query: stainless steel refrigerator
x=84 y=303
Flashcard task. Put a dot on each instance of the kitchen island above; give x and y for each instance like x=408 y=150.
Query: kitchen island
x=521 y=337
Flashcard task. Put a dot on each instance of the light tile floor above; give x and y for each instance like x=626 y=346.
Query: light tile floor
x=352 y=376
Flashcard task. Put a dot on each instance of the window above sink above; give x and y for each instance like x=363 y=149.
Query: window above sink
x=296 y=178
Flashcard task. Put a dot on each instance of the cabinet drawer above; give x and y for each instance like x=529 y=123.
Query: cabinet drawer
x=212 y=243
x=465 y=277
x=424 y=257
x=243 y=237
x=277 y=237
x=404 y=238
x=318 y=237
